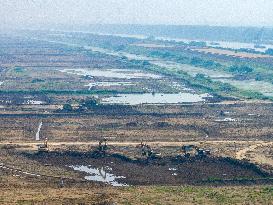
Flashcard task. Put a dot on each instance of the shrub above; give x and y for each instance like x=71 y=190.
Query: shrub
x=240 y=69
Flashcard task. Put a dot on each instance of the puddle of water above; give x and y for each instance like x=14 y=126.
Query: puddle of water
x=228 y=119
x=100 y=175
x=112 y=73
x=33 y=102
x=108 y=84
x=172 y=169
x=158 y=98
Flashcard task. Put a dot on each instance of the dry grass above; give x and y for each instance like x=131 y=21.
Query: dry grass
x=139 y=195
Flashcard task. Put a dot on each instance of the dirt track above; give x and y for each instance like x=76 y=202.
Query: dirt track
x=256 y=157
x=242 y=151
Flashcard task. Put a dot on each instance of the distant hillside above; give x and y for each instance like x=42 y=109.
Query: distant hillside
x=216 y=33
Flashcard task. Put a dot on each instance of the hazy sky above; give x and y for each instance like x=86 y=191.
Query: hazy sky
x=22 y=13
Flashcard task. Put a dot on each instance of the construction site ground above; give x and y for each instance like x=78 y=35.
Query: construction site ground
x=239 y=169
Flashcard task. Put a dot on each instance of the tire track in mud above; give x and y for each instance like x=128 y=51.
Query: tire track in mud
x=19 y=172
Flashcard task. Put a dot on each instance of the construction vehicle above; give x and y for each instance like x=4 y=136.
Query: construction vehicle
x=147 y=151
x=102 y=146
x=101 y=149
x=43 y=147
x=202 y=153
x=193 y=150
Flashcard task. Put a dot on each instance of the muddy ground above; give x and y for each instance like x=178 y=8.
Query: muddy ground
x=239 y=129
x=173 y=123
x=162 y=171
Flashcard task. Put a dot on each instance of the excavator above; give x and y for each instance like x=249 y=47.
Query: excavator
x=102 y=145
x=43 y=147
x=193 y=150
x=101 y=149
x=147 y=151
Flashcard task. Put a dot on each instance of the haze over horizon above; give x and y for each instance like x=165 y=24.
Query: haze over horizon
x=45 y=13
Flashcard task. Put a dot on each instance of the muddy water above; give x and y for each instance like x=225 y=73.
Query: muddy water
x=99 y=174
x=158 y=98
x=227 y=119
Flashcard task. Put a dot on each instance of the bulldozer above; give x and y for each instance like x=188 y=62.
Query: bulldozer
x=43 y=147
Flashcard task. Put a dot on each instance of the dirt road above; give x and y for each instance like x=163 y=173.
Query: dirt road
x=256 y=157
